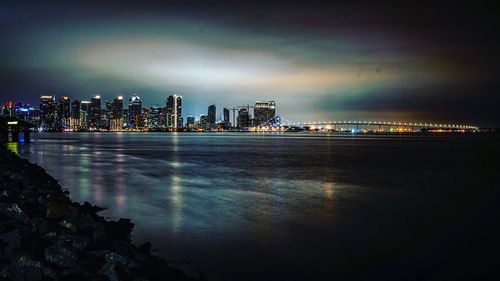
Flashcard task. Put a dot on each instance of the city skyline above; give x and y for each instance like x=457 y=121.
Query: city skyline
x=340 y=61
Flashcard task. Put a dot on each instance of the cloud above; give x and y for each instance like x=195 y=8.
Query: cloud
x=309 y=59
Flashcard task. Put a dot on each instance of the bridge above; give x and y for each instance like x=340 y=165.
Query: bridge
x=381 y=125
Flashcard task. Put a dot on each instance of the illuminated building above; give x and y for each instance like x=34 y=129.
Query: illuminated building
x=116 y=116
x=74 y=122
x=84 y=114
x=95 y=112
x=135 y=112
x=225 y=116
x=211 y=115
x=22 y=111
x=117 y=108
x=264 y=111
x=8 y=109
x=48 y=113
x=145 y=122
x=63 y=114
x=243 y=118
x=203 y=122
x=155 y=115
x=174 y=112
x=190 y=121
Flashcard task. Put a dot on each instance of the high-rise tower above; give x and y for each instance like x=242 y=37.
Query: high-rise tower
x=212 y=114
x=264 y=111
x=134 y=112
x=95 y=112
x=48 y=112
x=174 y=112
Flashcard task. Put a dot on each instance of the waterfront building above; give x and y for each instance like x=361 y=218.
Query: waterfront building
x=145 y=122
x=190 y=121
x=84 y=114
x=8 y=109
x=135 y=112
x=63 y=113
x=155 y=115
x=104 y=123
x=125 y=116
x=225 y=116
x=95 y=112
x=203 y=122
x=263 y=112
x=211 y=115
x=174 y=112
x=74 y=121
x=243 y=118
x=116 y=115
x=117 y=108
x=22 y=111
x=48 y=112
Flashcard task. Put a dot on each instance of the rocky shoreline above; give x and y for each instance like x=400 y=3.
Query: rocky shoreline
x=46 y=236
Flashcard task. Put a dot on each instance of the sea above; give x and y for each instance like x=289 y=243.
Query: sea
x=294 y=206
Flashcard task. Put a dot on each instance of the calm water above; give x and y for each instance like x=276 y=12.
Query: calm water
x=290 y=206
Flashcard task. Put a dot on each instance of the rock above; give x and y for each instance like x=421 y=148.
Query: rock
x=4 y=273
x=114 y=258
x=75 y=242
x=41 y=225
x=69 y=226
x=61 y=256
x=12 y=239
x=190 y=269
x=57 y=210
x=109 y=271
x=46 y=271
x=13 y=211
x=120 y=230
x=145 y=248
x=90 y=209
x=98 y=235
x=83 y=221
x=27 y=270
x=73 y=275
x=45 y=236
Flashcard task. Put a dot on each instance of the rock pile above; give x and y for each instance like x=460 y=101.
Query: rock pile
x=46 y=236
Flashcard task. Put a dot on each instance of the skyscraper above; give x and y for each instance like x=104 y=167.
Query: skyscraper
x=64 y=112
x=226 y=115
x=190 y=121
x=263 y=112
x=154 y=117
x=117 y=108
x=48 y=112
x=211 y=114
x=243 y=118
x=134 y=112
x=95 y=112
x=64 y=107
x=174 y=112
x=74 y=122
x=84 y=114
x=116 y=115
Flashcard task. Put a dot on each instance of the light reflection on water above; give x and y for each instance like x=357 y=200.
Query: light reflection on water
x=248 y=207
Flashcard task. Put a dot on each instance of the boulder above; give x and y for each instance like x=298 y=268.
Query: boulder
x=61 y=256
x=57 y=210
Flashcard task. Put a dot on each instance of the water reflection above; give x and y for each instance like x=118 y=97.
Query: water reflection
x=175 y=185
x=329 y=190
x=243 y=205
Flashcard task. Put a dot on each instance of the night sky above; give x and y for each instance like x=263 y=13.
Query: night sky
x=319 y=61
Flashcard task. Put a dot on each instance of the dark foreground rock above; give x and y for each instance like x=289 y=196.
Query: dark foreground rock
x=46 y=236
